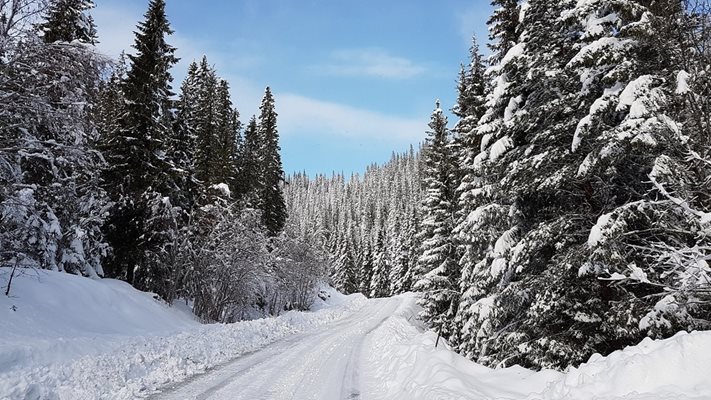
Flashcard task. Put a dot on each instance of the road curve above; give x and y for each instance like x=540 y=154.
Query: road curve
x=319 y=365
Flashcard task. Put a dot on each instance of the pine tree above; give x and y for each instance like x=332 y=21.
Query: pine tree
x=272 y=173
x=140 y=177
x=67 y=21
x=437 y=270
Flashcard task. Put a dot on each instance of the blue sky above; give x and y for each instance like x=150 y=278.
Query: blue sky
x=354 y=80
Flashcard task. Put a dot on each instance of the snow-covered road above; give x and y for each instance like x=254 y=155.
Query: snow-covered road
x=322 y=364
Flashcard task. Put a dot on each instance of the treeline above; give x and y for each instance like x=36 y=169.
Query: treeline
x=566 y=211
x=367 y=224
x=105 y=173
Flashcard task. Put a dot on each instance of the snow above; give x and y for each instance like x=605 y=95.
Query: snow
x=499 y=148
x=675 y=368
x=506 y=241
x=667 y=305
x=69 y=337
x=638 y=274
x=222 y=188
x=597 y=232
x=635 y=96
x=402 y=350
x=682 y=82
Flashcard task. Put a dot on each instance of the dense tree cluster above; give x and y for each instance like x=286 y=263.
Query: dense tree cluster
x=366 y=223
x=105 y=172
x=567 y=210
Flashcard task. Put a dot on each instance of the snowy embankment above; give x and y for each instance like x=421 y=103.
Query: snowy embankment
x=67 y=337
x=404 y=364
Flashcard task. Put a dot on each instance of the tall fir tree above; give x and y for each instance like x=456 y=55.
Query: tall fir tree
x=140 y=176
x=228 y=136
x=184 y=141
x=470 y=108
x=271 y=197
x=437 y=270
x=248 y=168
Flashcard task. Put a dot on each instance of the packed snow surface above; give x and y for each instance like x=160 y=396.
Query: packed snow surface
x=66 y=337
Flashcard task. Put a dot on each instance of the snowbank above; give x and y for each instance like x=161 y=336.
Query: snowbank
x=75 y=338
x=675 y=368
x=46 y=304
x=405 y=353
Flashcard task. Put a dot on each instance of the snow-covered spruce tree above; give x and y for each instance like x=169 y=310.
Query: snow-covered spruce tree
x=140 y=177
x=480 y=228
x=205 y=125
x=184 y=140
x=503 y=25
x=651 y=250
x=437 y=270
x=551 y=290
x=51 y=205
x=271 y=198
x=379 y=283
x=68 y=21
x=470 y=107
x=249 y=171
x=365 y=274
x=228 y=128
x=343 y=268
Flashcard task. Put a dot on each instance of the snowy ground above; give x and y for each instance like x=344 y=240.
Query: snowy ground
x=65 y=337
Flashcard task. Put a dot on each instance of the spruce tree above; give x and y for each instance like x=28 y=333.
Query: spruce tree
x=470 y=108
x=437 y=270
x=140 y=177
x=67 y=21
x=379 y=283
x=366 y=270
x=248 y=165
x=503 y=25
x=271 y=198
x=567 y=215
x=206 y=145
x=182 y=146
x=228 y=133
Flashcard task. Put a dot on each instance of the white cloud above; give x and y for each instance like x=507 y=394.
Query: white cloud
x=303 y=114
x=369 y=62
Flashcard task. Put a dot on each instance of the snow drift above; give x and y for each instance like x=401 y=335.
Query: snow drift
x=405 y=353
